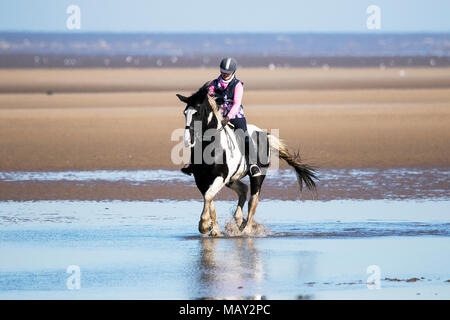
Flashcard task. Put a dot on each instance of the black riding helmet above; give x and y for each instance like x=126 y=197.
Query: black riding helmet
x=228 y=65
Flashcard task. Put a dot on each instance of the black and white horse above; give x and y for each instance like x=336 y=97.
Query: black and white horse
x=228 y=165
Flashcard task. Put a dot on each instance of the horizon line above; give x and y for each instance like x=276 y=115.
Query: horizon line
x=368 y=32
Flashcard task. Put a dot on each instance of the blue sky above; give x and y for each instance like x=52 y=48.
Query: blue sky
x=226 y=16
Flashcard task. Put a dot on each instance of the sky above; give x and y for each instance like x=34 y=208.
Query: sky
x=225 y=15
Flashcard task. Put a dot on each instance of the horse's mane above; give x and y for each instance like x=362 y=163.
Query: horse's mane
x=214 y=107
x=209 y=103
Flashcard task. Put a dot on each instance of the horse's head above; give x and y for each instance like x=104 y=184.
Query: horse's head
x=200 y=113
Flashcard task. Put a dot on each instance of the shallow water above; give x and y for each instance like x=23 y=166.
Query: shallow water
x=280 y=176
x=153 y=250
x=402 y=183
x=135 y=176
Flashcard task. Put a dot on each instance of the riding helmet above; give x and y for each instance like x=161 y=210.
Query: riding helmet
x=228 y=65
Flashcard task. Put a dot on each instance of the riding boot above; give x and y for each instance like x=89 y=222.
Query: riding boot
x=188 y=169
x=251 y=160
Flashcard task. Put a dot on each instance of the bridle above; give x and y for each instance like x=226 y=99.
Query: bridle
x=230 y=142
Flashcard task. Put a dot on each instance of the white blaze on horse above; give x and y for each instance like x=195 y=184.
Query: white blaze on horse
x=223 y=163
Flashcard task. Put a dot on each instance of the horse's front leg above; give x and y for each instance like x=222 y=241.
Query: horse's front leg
x=205 y=219
x=215 y=231
x=204 y=225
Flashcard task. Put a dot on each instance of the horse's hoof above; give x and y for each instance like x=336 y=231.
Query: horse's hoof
x=247 y=230
x=204 y=226
x=238 y=221
x=215 y=233
x=242 y=225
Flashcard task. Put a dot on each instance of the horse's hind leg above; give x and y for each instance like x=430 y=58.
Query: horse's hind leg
x=241 y=189
x=252 y=204
x=204 y=225
x=255 y=188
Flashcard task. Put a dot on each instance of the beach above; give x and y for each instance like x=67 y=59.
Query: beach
x=400 y=122
x=104 y=119
x=87 y=179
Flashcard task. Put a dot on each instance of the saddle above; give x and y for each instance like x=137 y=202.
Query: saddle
x=260 y=143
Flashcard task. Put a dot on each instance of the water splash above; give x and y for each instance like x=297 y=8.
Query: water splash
x=232 y=229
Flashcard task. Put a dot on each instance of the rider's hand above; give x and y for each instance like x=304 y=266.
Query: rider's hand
x=225 y=121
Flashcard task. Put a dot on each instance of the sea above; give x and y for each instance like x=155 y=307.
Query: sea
x=175 y=50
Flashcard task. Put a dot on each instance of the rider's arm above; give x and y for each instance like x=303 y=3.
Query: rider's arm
x=237 y=101
x=211 y=89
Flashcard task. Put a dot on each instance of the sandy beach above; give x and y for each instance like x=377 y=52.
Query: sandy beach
x=86 y=179
x=123 y=119
x=94 y=204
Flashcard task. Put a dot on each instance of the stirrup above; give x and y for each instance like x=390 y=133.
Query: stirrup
x=255 y=171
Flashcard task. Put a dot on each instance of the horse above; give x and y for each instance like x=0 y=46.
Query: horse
x=229 y=164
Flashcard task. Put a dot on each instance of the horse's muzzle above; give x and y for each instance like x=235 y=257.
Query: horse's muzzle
x=189 y=140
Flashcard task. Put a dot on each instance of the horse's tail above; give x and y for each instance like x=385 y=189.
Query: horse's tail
x=305 y=173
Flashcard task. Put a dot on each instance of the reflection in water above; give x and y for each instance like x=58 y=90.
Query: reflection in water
x=230 y=269
x=250 y=268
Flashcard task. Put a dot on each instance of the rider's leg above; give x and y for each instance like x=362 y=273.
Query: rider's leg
x=188 y=168
x=250 y=149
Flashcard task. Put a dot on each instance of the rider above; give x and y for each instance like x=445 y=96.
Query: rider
x=230 y=89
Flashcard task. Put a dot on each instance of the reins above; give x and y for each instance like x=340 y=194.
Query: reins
x=230 y=142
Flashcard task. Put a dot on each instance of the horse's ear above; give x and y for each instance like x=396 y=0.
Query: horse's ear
x=182 y=98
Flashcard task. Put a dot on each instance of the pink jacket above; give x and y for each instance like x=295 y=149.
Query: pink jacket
x=236 y=110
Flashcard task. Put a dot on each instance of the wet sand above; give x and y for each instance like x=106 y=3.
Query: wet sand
x=333 y=136
x=148 y=185
x=101 y=119
x=345 y=118
x=188 y=79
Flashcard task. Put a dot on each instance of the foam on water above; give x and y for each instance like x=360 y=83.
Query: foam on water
x=232 y=229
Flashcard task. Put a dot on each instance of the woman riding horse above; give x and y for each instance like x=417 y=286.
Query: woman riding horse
x=229 y=90
x=222 y=162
